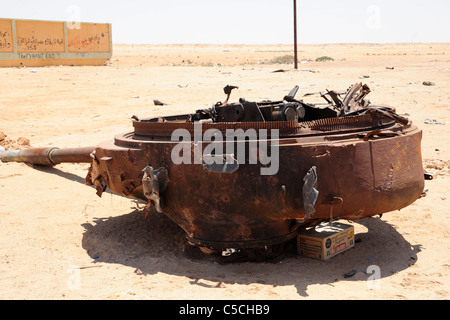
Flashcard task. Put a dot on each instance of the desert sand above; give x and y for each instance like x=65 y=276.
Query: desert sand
x=59 y=240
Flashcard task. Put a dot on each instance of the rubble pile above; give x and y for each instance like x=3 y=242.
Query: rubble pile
x=10 y=144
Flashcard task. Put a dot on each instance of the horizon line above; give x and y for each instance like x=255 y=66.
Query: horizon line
x=276 y=44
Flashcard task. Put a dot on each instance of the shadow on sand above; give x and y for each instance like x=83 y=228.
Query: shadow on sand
x=158 y=245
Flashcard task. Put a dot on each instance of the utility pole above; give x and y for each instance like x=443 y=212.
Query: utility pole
x=295 y=35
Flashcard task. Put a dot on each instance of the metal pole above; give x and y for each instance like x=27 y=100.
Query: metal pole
x=295 y=35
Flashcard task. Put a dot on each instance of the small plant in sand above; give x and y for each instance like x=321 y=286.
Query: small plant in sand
x=324 y=58
x=286 y=59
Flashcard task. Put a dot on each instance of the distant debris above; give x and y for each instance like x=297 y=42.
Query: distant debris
x=309 y=70
x=390 y=68
x=428 y=83
x=429 y=121
x=159 y=103
x=287 y=70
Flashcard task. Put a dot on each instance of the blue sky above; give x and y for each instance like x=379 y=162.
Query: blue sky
x=249 y=21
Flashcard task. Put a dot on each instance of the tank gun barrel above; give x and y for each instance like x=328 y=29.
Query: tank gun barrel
x=48 y=156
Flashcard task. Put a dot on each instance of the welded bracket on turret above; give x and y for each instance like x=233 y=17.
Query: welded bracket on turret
x=310 y=193
x=153 y=183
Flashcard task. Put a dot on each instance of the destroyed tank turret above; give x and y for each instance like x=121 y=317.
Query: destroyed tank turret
x=247 y=175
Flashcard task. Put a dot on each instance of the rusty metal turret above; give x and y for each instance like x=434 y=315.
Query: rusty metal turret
x=248 y=175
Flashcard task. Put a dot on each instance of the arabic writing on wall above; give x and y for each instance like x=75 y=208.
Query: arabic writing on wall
x=40 y=36
x=31 y=44
x=90 y=37
x=4 y=43
x=6 y=38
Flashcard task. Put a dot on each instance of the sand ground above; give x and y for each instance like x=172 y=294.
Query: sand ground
x=58 y=240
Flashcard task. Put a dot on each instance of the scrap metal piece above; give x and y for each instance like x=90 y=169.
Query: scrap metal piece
x=380 y=133
x=354 y=99
x=310 y=193
x=95 y=177
x=291 y=95
x=227 y=90
x=389 y=113
x=335 y=97
x=153 y=183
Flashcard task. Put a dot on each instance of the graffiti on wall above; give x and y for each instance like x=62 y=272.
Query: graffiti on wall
x=6 y=38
